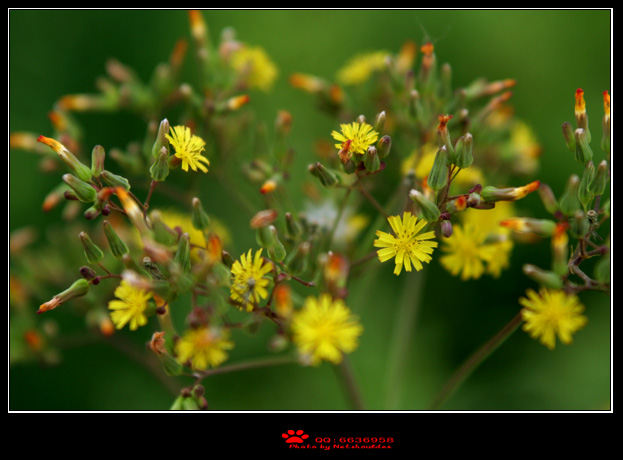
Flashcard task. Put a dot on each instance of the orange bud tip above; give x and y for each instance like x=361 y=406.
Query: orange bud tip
x=268 y=187
x=580 y=105
x=443 y=120
x=427 y=48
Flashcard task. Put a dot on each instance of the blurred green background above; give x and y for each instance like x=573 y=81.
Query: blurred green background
x=549 y=52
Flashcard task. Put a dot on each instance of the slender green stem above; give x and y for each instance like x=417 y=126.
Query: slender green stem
x=474 y=361
x=246 y=365
x=345 y=374
x=404 y=325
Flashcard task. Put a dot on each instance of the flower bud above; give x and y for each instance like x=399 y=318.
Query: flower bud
x=264 y=236
x=438 y=176
x=199 y=218
x=492 y=194
x=98 y=155
x=570 y=202
x=584 y=194
x=371 y=159
x=170 y=365
x=463 y=156
x=579 y=225
x=293 y=228
x=81 y=170
x=605 y=124
x=161 y=139
x=326 y=177
x=117 y=246
x=298 y=258
x=545 y=278
x=92 y=252
x=457 y=204
x=114 y=180
x=560 y=249
x=446 y=228
x=82 y=190
x=600 y=180
x=379 y=122
x=182 y=255
x=384 y=145
x=428 y=210
x=548 y=199
x=443 y=136
x=569 y=135
x=541 y=227
x=277 y=251
x=132 y=210
x=159 y=169
x=583 y=152
x=581 y=116
x=79 y=288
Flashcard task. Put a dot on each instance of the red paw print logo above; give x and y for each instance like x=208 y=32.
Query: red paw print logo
x=294 y=436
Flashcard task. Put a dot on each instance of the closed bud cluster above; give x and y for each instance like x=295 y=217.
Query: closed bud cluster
x=463 y=156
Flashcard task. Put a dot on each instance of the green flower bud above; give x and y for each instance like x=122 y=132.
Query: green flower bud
x=161 y=232
x=428 y=210
x=567 y=132
x=200 y=219
x=293 y=228
x=583 y=152
x=438 y=176
x=277 y=251
x=182 y=255
x=384 y=146
x=548 y=198
x=545 y=278
x=264 y=236
x=98 y=155
x=161 y=139
x=159 y=169
x=600 y=180
x=117 y=246
x=584 y=194
x=79 y=288
x=92 y=252
x=82 y=190
x=81 y=170
x=371 y=159
x=298 y=259
x=463 y=157
x=326 y=177
x=570 y=202
x=579 y=224
x=114 y=180
x=379 y=122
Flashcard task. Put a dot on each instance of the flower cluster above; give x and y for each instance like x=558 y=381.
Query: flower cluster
x=440 y=195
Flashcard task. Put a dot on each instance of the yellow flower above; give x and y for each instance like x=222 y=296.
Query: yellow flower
x=254 y=65
x=188 y=148
x=360 y=135
x=203 y=347
x=552 y=313
x=249 y=282
x=325 y=329
x=467 y=254
x=358 y=69
x=407 y=246
x=131 y=306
